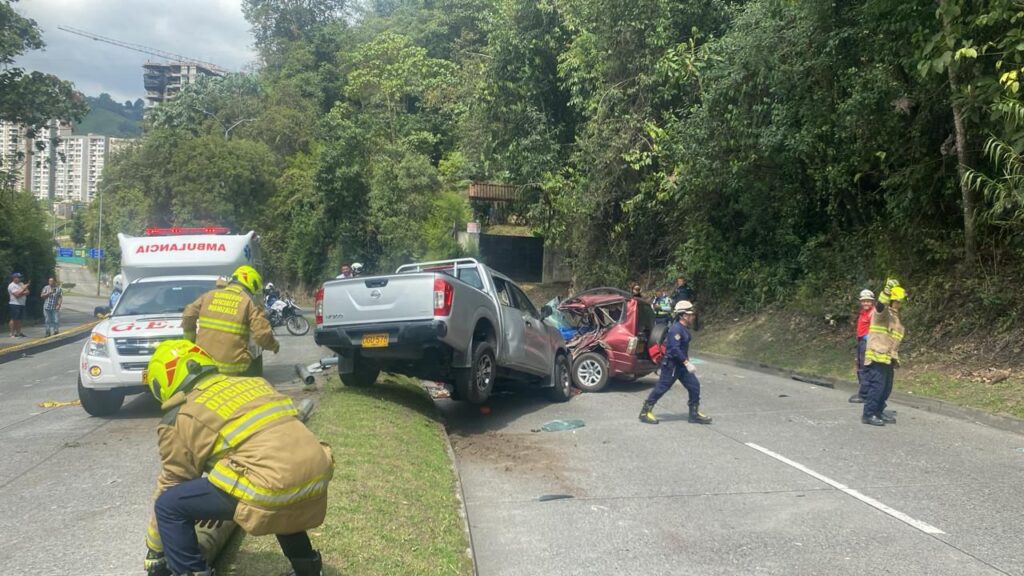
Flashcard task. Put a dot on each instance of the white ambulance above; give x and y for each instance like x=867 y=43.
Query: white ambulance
x=163 y=272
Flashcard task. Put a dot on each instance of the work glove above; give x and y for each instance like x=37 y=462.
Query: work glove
x=690 y=368
x=156 y=564
x=890 y=284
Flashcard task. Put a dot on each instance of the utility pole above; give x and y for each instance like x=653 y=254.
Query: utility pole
x=51 y=184
x=99 y=259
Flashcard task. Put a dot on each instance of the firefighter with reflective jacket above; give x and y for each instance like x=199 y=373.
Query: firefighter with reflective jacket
x=264 y=469
x=883 y=354
x=223 y=320
x=676 y=365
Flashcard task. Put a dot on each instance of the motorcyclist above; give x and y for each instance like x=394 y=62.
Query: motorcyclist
x=357 y=269
x=118 y=290
x=270 y=294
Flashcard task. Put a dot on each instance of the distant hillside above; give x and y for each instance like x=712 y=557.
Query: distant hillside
x=110 y=118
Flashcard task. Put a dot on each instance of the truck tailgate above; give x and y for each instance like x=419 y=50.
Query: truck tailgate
x=379 y=299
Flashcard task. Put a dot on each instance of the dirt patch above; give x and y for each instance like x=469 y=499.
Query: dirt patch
x=536 y=455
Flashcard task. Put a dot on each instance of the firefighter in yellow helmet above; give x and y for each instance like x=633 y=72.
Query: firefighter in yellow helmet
x=264 y=469
x=882 y=355
x=223 y=320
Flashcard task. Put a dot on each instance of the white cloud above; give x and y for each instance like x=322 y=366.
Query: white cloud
x=210 y=30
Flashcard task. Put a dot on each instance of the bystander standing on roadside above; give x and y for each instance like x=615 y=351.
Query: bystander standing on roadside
x=17 y=292
x=867 y=304
x=662 y=307
x=683 y=291
x=53 y=299
x=636 y=290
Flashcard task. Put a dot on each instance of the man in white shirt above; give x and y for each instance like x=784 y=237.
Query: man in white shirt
x=18 y=293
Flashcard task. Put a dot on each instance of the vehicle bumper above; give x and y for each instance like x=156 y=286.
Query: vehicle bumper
x=99 y=373
x=401 y=336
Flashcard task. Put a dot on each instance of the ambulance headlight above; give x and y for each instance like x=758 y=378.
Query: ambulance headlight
x=98 y=345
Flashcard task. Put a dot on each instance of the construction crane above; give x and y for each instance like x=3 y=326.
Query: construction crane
x=147 y=50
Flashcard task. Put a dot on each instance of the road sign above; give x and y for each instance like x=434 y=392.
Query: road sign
x=95 y=253
x=80 y=252
x=65 y=252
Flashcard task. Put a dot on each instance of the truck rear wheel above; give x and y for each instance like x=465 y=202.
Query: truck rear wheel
x=99 y=402
x=364 y=374
x=475 y=385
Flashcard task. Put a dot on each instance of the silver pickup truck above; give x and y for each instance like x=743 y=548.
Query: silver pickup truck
x=452 y=321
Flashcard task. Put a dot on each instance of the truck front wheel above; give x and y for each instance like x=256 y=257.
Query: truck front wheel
x=364 y=374
x=99 y=402
x=475 y=385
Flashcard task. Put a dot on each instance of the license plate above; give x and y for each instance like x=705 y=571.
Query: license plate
x=375 y=340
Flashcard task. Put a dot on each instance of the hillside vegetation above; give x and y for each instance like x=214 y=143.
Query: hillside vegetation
x=109 y=118
x=774 y=151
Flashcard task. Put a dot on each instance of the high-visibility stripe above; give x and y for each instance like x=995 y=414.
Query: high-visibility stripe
x=236 y=432
x=223 y=325
x=231 y=367
x=237 y=485
x=153 y=538
x=878 y=329
x=877 y=357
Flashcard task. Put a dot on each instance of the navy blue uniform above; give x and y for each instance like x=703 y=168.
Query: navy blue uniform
x=677 y=352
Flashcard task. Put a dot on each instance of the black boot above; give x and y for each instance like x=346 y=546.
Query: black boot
x=856 y=399
x=647 y=414
x=873 y=420
x=888 y=417
x=307 y=566
x=696 y=417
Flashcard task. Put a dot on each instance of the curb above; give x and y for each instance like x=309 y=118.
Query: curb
x=460 y=494
x=42 y=344
x=933 y=405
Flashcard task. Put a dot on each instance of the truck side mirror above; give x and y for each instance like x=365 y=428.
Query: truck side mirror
x=101 y=311
x=545 y=311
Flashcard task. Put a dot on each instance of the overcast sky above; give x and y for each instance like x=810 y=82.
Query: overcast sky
x=210 y=30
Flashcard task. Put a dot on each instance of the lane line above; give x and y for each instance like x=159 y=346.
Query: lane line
x=922 y=526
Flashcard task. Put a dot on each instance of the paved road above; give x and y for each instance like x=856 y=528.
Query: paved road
x=740 y=496
x=75 y=490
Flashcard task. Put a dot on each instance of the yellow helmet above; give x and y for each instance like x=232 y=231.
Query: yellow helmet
x=248 y=276
x=898 y=294
x=172 y=362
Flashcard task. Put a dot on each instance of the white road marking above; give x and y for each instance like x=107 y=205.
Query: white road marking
x=922 y=526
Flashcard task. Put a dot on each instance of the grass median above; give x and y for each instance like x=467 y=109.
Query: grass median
x=392 y=508
x=792 y=342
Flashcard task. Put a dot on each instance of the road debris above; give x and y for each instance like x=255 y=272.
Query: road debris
x=560 y=425
x=59 y=403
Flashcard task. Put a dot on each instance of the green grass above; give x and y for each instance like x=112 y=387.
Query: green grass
x=786 y=339
x=392 y=508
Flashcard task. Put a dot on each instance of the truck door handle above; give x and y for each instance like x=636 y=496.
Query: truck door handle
x=530 y=324
x=376 y=283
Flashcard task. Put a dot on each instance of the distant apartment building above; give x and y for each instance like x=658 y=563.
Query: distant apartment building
x=14 y=149
x=164 y=80
x=79 y=163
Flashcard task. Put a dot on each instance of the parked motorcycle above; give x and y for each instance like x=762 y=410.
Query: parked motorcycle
x=284 y=311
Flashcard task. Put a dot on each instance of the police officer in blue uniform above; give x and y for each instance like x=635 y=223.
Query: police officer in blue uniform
x=676 y=365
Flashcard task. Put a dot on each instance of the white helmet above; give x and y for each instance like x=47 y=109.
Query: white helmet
x=683 y=307
x=119 y=282
x=357 y=267
x=269 y=286
x=867 y=295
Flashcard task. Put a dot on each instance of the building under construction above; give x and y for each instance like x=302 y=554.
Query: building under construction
x=164 y=80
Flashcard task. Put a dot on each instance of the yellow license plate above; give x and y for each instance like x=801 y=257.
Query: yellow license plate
x=375 y=340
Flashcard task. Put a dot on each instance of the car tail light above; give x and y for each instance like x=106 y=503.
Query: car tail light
x=318 y=306
x=443 y=294
x=631 y=347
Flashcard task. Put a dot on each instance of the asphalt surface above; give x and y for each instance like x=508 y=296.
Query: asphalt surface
x=75 y=490
x=785 y=481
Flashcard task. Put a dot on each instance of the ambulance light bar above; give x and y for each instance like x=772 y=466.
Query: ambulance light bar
x=179 y=231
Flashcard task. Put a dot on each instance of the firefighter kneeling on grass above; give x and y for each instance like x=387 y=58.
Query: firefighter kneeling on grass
x=676 y=365
x=226 y=317
x=263 y=468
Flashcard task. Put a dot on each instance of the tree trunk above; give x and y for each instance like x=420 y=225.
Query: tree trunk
x=962 y=156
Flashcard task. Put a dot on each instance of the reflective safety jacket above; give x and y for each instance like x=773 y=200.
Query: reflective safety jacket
x=884 y=336
x=221 y=323
x=247 y=439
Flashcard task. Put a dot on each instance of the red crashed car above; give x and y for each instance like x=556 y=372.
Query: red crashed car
x=607 y=330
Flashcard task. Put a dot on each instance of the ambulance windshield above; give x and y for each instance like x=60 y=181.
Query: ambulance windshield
x=169 y=297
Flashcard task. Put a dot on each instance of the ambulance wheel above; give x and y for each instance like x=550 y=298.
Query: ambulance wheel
x=590 y=372
x=99 y=402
